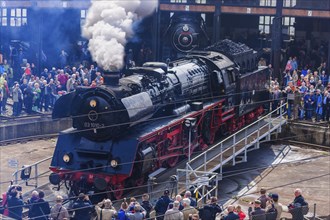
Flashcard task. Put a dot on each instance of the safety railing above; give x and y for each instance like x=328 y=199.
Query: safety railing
x=203 y=184
x=26 y=171
x=237 y=143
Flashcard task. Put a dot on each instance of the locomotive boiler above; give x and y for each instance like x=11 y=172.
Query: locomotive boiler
x=123 y=131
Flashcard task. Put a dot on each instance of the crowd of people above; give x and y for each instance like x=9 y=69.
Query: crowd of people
x=306 y=90
x=266 y=207
x=37 y=92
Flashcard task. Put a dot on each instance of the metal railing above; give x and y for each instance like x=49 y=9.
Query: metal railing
x=204 y=184
x=241 y=137
x=29 y=168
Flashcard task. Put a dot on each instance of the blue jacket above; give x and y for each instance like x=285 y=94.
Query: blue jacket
x=15 y=207
x=232 y=216
x=162 y=204
x=82 y=209
x=40 y=210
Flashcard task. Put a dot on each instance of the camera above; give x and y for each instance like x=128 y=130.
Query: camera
x=19 y=188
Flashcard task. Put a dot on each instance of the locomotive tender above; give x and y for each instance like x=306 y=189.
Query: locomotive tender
x=123 y=132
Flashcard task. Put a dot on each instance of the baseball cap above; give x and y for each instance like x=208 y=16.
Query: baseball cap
x=166 y=192
x=257 y=201
x=274 y=196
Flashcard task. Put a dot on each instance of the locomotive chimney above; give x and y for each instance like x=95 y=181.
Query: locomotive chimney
x=111 y=77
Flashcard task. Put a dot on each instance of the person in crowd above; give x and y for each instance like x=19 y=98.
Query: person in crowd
x=174 y=213
x=71 y=84
x=36 y=97
x=34 y=198
x=63 y=58
x=44 y=73
x=274 y=206
x=327 y=106
x=82 y=207
x=162 y=204
x=121 y=215
x=46 y=96
x=62 y=78
x=17 y=99
x=138 y=213
x=27 y=71
x=302 y=109
x=15 y=204
x=99 y=79
x=146 y=205
x=179 y=199
x=263 y=198
x=294 y=64
x=187 y=209
x=299 y=206
x=240 y=213
x=28 y=98
x=309 y=103
x=5 y=95
x=324 y=78
x=58 y=211
x=319 y=105
x=105 y=210
x=258 y=213
x=195 y=217
x=319 y=86
x=193 y=202
x=40 y=209
x=210 y=211
x=231 y=214
x=10 y=73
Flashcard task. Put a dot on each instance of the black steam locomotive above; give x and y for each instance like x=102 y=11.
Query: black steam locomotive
x=123 y=132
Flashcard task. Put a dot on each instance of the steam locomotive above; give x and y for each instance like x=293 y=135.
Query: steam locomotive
x=123 y=131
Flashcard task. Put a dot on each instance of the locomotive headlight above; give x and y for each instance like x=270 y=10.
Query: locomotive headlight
x=114 y=163
x=67 y=157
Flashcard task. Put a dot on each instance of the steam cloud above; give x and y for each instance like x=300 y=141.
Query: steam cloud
x=109 y=25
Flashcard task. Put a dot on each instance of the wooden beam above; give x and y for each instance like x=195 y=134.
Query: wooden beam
x=248 y=10
x=305 y=13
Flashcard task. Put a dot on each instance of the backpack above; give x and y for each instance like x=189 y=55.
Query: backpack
x=271 y=213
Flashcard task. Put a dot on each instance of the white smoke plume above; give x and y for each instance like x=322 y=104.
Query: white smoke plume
x=109 y=25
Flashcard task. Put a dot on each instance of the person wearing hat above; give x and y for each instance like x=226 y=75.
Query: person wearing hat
x=82 y=207
x=162 y=204
x=210 y=211
x=258 y=213
x=273 y=205
x=105 y=210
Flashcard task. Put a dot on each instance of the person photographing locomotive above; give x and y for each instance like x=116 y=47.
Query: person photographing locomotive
x=105 y=210
x=258 y=213
x=15 y=202
x=82 y=207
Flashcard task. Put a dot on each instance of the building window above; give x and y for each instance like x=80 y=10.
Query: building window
x=265 y=23
x=288 y=25
x=18 y=17
x=268 y=3
x=289 y=3
x=3 y=17
x=178 y=1
x=82 y=17
x=200 y=1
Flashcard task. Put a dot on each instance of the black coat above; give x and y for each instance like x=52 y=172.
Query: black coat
x=40 y=210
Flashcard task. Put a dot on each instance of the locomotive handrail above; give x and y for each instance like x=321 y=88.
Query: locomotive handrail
x=235 y=134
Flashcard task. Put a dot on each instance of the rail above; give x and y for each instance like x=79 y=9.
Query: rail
x=245 y=137
x=27 y=170
x=201 y=170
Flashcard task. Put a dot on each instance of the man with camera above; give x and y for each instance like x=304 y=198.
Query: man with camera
x=15 y=202
x=258 y=213
x=82 y=207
